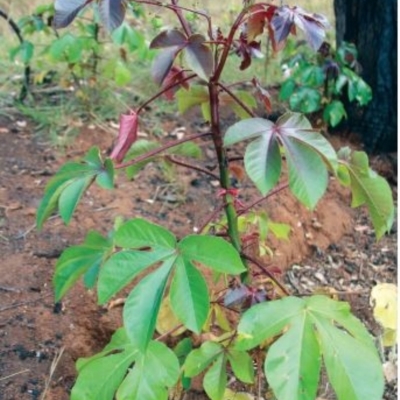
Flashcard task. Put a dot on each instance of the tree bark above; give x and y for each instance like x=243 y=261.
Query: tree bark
x=372 y=26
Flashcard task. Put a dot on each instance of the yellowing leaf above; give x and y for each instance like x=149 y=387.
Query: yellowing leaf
x=231 y=395
x=167 y=321
x=384 y=300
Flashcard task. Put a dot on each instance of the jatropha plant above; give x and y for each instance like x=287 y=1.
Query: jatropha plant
x=234 y=331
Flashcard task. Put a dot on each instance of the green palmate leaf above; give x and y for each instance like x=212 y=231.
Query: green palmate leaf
x=212 y=252
x=119 y=341
x=315 y=326
x=111 y=365
x=66 y=188
x=182 y=350
x=354 y=369
x=308 y=176
x=216 y=379
x=154 y=372
x=143 y=304
x=307 y=153
x=75 y=261
x=287 y=89
x=189 y=296
x=242 y=365
x=372 y=190
x=305 y=100
x=199 y=57
x=195 y=96
x=70 y=196
x=188 y=149
x=281 y=231
x=121 y=268
x=266 y=320
x=334 y=112
x=298 y=127
x=295 y=355
x=247 y=129
x=199 y=359
x=138 y=148
x=262 y=161
x=139 y=233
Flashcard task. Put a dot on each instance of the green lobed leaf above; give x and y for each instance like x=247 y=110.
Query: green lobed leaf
x=182 y=350
x=139 y=233
x=143 y=304
x=242 y=365
x=188 y=149
x=247 y=129
x=372 y=190
x=212 y=252
x=67 y=186
x=111 y=365
x=121 y=268
x=248 y=99
x=216 y=379
x=77 y=260
x=189 y=296
x=298 y=127
x=287 y=89
x=263 y=162
x=340 y=312
x=105 y=179
x=199 y=359
x=308 y=176
x=354 y=371
x=305 y=100
x=196 y=95
x=266 y=320
x=70 y=196
x=293 y=363
x=119 y=341
x=334 y=112
x=153 y=374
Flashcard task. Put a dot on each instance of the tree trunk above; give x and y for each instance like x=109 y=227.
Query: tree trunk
x=372 y=26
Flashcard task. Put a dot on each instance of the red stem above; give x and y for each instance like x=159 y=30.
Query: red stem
x=191 y=166
x=266 y=272
x=178 y=11
x=240 y=102
x=279 y=188
x=161 y=149
x=169 y=87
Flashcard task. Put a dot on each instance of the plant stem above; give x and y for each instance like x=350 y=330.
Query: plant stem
x=279 y=188
x=177 y=10
x=164 y=90
x=266 y=272
x=240 y=102
x=191 y=166
x=159 y=150
x=230 y=210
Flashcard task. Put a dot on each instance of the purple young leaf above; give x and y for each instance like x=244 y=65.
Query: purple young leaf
x=287 y=18
x=112 y=13
x=128 y=126
x=168 y=38
x=162 y=64
x=199 y=57
x=237 y=296
x=66 y=11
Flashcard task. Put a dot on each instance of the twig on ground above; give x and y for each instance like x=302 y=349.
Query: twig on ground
x=14 y=374
x=53 y=367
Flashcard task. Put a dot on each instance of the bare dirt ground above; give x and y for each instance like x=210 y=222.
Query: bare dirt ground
x=332 y=247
